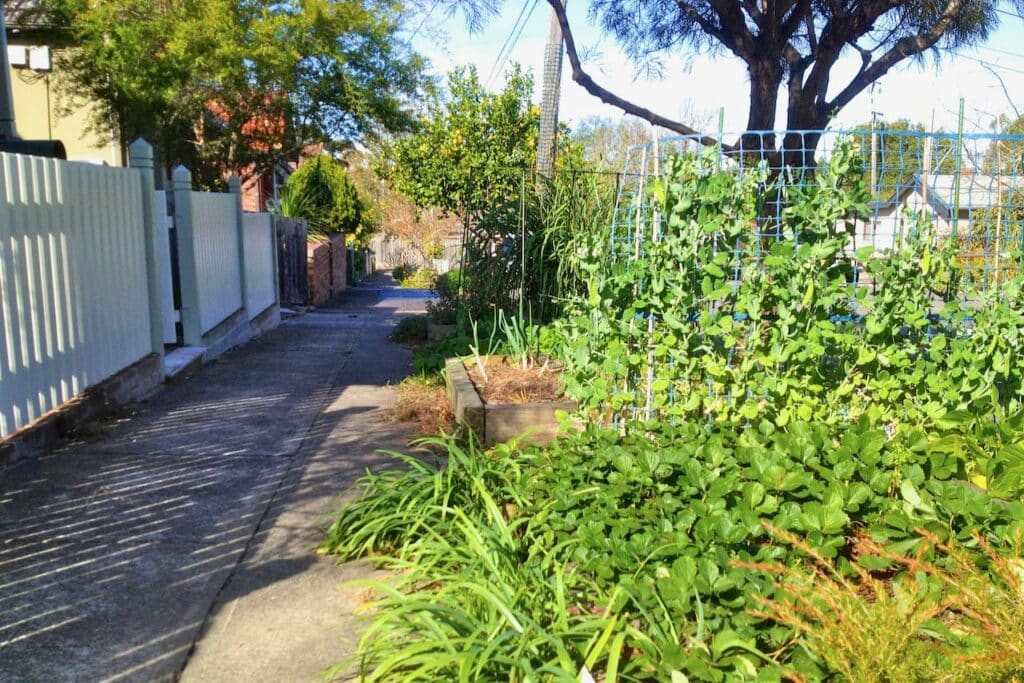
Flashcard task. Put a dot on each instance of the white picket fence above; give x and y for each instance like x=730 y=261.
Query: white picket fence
x=85 y=281
x=74 y=306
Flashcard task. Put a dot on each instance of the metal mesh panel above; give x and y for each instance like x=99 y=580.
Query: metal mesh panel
x=968 y=186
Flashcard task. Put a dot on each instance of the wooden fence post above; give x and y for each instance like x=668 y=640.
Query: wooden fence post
x=275 y=246
x=140 y=156
x=235 y=188
x=191 y=320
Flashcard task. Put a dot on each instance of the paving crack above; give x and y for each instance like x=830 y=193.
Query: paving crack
x=309 y=430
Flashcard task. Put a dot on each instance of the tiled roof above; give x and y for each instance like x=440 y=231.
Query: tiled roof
x=20 y=14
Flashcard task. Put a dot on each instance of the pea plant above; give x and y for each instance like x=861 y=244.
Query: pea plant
x=746 y=297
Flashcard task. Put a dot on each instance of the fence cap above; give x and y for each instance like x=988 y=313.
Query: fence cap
x=182 y=175
x=140 y=151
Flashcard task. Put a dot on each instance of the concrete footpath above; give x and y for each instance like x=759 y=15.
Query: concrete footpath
x=178 y=542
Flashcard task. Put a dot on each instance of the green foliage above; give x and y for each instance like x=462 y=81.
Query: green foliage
x=221 y=84
x=291 y=203
x=872 y=627
x=320 y=191
x=619 y=553
x=414 y=277
x=430 y=358
x=412 y=328
x=900 y=155
x=471 y=149
x=444 y=309
x=522 y=252
x=717 y=321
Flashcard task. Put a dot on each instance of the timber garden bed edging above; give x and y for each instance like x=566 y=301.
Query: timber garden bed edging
x=536 y=422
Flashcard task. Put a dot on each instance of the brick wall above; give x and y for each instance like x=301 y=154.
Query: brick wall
x=326 y=268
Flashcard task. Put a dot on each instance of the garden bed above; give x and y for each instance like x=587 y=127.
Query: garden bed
x=506 y=402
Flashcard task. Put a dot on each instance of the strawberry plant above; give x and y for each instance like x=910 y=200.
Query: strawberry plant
x=618 y=553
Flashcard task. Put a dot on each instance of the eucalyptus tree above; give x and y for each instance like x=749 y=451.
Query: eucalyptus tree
x=787 y=46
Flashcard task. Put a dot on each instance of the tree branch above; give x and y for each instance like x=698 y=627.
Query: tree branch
x=904 y=48
x=706 y=26
x=608 y=97
x=755 y=12
x=799 y=13
x=733 y=23
x=1002 y=84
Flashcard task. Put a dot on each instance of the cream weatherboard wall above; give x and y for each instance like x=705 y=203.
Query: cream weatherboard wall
x=42 y=111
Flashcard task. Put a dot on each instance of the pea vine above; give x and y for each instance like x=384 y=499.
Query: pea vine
x=727 y=315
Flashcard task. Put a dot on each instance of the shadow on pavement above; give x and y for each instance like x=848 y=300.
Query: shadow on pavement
x=114 y=547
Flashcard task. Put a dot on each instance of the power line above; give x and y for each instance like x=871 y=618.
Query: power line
x=1008 y=53
x=426 y=18
x=511 y=41
x=1015 y=15
x=508 y=38
x=989 y=64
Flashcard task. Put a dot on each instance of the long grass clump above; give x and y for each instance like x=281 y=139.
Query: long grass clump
x=643 y=557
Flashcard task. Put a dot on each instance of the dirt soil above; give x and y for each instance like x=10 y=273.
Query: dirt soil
x=507 y=381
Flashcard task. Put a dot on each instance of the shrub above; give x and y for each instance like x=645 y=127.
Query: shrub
x=413 y=277
x=410 y=329
x=446 y=287
x=321 y=192
x=959 y=617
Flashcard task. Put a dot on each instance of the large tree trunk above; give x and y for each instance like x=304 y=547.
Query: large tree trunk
x=766 y=78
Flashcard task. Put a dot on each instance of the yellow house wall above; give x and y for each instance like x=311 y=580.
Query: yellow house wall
x=37 y=118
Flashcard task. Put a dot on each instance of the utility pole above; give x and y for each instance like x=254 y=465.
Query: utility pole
x=550 y=92
x=7 y=130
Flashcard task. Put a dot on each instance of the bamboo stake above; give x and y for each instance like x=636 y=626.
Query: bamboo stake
x=655 y=236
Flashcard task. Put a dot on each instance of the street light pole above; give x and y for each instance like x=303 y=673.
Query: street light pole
x=550 y=92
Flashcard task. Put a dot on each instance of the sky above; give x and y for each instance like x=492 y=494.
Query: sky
x=700 y=86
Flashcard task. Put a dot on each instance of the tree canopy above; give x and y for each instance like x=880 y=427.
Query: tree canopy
x=791 y=44
x=900 y=154
x=472 y=148
x=231 y=85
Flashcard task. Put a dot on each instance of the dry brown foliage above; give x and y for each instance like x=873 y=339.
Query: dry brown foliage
x=424 y=405
x=957 y=617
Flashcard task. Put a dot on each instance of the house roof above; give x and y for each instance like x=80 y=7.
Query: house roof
x=23 y=16
x=16 y=12
x=977 y=191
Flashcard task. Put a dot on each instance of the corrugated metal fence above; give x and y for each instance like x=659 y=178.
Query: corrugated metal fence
x=216 y=244
x=260 y=262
